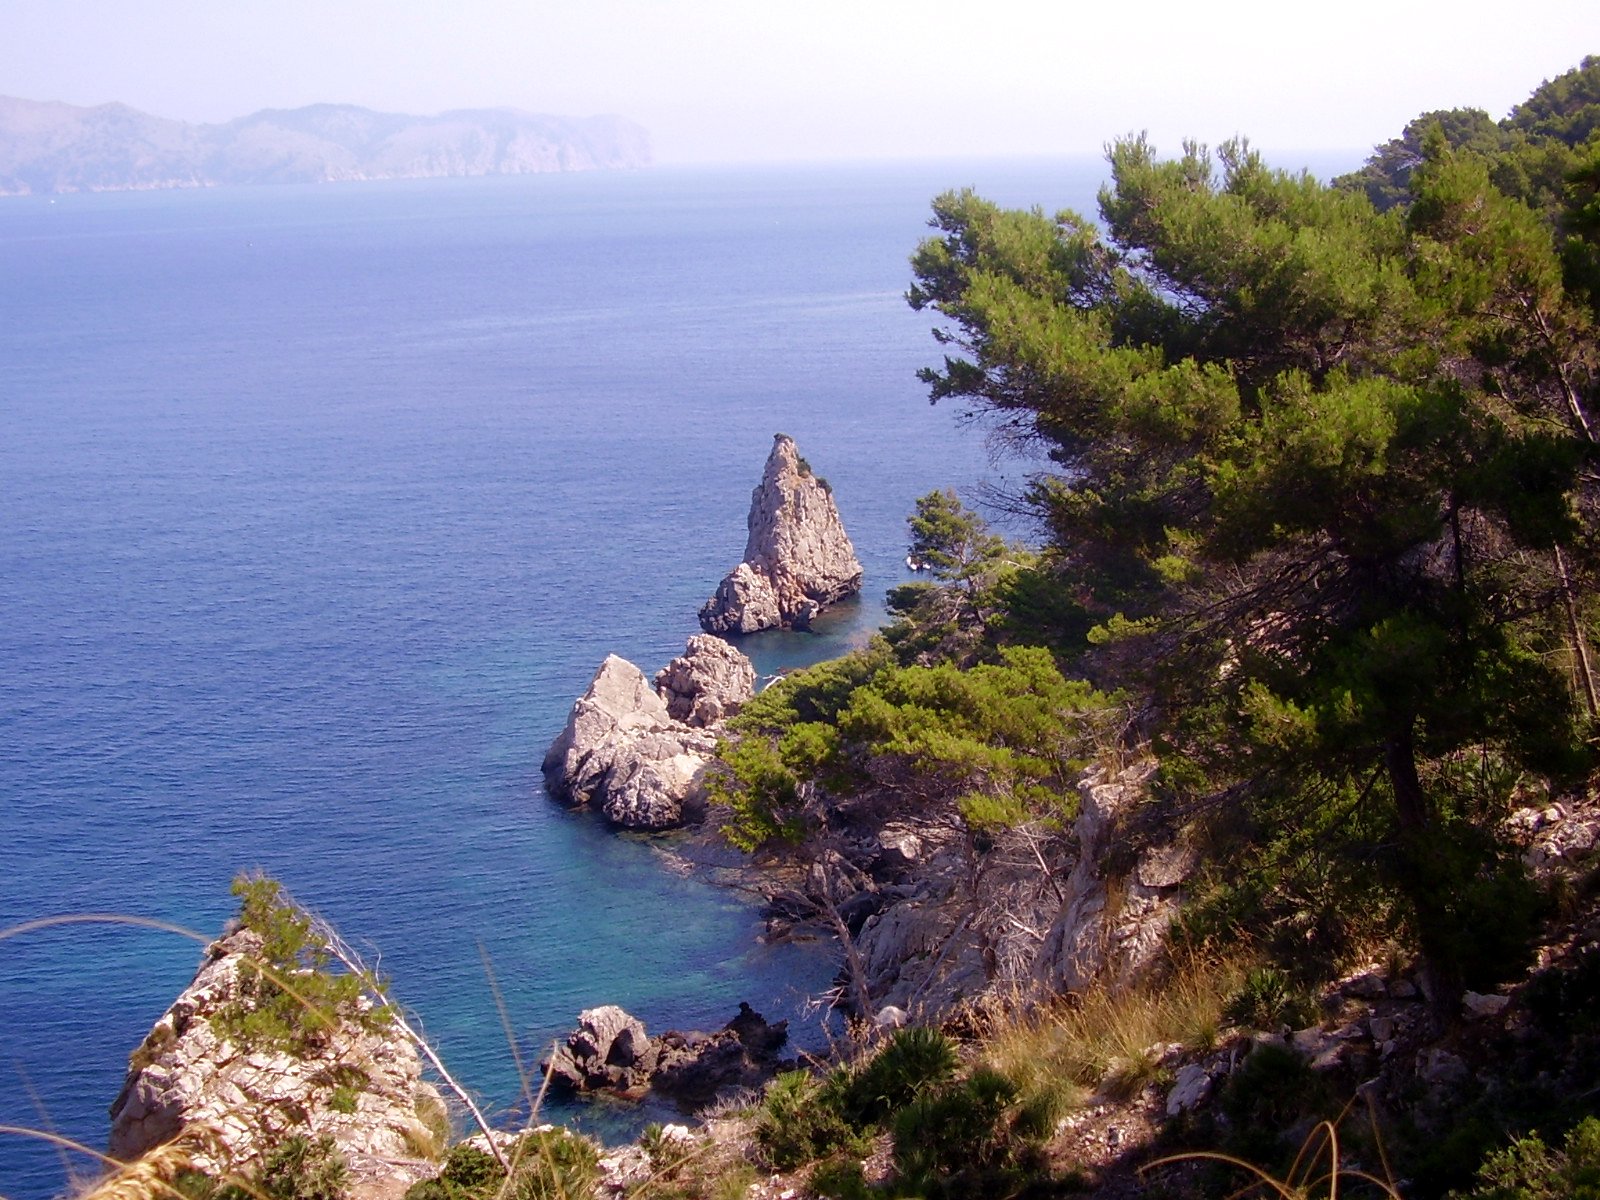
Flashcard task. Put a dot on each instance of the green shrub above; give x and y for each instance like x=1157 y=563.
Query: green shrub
x=1267 y=999
x=840 y=1179
x=800 y=1121
x=553 y=1164
x=1530 y=1170
x=289 y=998
x=956 y=1128
x=344 y=1099
x=298 y=1169
x=915 y=1060
x=549 y=1164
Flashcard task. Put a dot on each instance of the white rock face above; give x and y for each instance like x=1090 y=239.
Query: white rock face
x=797 y=558
x=188 y=1076
x=622 y=752
x=1096 y=934
x=627 y=751
x=707 y=683
x=937 y=940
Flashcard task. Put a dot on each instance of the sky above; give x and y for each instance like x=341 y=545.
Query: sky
x=781 y=80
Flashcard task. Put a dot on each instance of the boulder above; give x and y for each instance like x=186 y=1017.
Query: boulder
x=1190 y=1089
x=609 y=1048
x=361 y=1087
x=707 y=683
x=1477 y=1006
x=609 y=1051
x=622 y=752
x=797 y=557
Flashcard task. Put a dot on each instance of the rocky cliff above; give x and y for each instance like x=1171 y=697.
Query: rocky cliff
x=938 y=919
x=47 y=147
x=797 y=557
x=638 y=753
x=361 y=1087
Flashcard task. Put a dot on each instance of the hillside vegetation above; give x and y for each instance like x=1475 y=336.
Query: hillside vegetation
x=1318 y=537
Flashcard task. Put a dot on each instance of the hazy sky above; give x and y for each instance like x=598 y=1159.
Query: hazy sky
x=727 y=80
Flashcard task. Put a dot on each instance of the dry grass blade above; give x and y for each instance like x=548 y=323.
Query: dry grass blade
x=22 y=927
x=1325 y=1137
x=341 y=950
x=145 y=1178
x=511 y=1036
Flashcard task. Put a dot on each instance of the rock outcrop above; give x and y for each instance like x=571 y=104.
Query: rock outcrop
x=625 y=752
x=797 y=557
x=610 y=1051
x=707 y=683
x=935 y=928
x=1109 y=929
x=363 y=1088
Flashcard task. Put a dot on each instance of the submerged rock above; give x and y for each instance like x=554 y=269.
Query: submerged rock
x=797 y=557
x=361 y=1087
x=626 y=752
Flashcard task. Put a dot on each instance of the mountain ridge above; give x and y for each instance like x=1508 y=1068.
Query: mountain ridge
x=49 y=147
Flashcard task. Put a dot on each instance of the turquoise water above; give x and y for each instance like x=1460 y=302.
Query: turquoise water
x=320 y=507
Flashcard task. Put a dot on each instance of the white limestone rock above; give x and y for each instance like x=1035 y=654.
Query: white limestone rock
x=797 y=557
x=707 y=683
x=1190 y=1090
x=622 y=752
x=1098 y=934
x=187 y=1076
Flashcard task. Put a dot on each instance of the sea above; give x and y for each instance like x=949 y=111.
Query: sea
x=319 y=506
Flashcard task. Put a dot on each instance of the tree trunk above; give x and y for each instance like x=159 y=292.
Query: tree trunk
x=1580 y=644
x=1418 y=881
x=1400 y=760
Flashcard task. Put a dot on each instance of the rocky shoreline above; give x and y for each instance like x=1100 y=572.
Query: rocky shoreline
x=936 y=924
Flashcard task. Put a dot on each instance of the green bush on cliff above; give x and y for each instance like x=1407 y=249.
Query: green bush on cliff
x=297 y=1169
x=1002 y=741
x=547 y=1164
x=288 y=996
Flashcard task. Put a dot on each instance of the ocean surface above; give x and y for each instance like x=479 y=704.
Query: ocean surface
x=320 y=505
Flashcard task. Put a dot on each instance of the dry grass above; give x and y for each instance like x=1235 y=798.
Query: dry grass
x=1318 y=1169
x=1111 y=1039
x=146 y=1178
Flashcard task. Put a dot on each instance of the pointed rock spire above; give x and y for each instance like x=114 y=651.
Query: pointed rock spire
x=798 y=558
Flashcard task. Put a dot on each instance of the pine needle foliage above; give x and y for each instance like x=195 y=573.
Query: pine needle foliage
x=289 y=996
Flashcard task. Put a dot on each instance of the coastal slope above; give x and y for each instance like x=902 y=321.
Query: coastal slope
x=50 y=147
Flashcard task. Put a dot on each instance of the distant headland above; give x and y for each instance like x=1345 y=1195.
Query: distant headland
x=48 y=147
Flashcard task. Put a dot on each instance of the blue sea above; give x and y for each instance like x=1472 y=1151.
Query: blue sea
x=318 y=507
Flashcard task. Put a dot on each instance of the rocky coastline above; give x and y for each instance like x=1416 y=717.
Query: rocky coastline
x=937 y=925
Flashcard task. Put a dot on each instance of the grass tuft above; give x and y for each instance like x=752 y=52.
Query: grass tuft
x=1109 y=1037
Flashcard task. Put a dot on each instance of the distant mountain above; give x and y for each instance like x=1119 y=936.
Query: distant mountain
x=51 y=147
